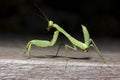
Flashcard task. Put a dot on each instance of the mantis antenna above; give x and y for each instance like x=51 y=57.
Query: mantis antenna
x=45 y=17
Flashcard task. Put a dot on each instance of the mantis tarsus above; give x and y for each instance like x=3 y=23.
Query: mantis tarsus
x=88 y=42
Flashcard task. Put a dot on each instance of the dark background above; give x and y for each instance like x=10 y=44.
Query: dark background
x=101 y=17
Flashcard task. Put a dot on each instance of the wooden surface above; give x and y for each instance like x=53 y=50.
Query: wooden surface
x=52 y=70
x=43 y=65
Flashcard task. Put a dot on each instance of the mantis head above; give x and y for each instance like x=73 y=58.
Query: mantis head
x=50 y=25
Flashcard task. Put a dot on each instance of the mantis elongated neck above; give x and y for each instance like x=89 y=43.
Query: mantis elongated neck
x=71 y=39
x=61 y=30
x=54 y=39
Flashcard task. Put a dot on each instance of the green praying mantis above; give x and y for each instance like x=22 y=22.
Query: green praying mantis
x=84 y=46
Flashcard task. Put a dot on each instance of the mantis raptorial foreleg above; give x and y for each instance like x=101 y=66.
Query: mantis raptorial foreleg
x=41 y=43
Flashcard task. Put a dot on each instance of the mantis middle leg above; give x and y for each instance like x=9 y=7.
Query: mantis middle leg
x=66 y=52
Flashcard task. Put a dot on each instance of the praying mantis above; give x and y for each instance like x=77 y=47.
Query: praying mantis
x=84 y=46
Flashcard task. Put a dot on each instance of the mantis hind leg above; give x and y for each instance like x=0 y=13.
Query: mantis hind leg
x=97 y=50
x=99 y=53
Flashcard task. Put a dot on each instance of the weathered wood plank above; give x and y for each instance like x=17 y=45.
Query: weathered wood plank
x=48 y=69
x=43 y=66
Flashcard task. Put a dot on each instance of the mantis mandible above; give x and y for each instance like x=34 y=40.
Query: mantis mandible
x=84 y=46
